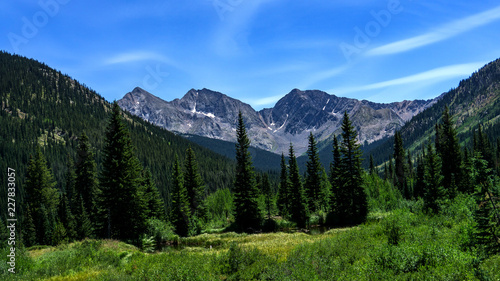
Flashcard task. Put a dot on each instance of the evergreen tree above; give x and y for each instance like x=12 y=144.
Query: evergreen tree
x=194 y=185
x=372 y=166
x=449 y=151
x=60 y=235
x=29 y=229
x=247 y=213
x=283 y=192
x=400 y=167
x=268 y=195
x=335 y=178
x=314 y=176
x=418 y=191
x=298 y=200
x=85 y=228
x=86 y=175
x=434 y=192
x=122 y=201
x=42 y=195
x=181 y=212
x=70 y=182
x=155 y=208
x=486 y=216
x=66 y=218
x=352 y=180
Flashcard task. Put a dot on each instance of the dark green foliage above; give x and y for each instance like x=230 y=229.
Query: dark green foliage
x=449 y=151
x=351 y=206
x=85 y=227
x=86 y=175
x=194 y=185
x=181 y=212
x=313 y=180
x=372 y=168
x=268 y=194
x=66 y=218
x=419 y=188
x=401 y=169
x=29 y=229
x=155 y=208
x=284 y=190
x=42 y=196
x=434 y=194
x=335 y=176
x=247 y=213
x=122 y=201
x=298 y=200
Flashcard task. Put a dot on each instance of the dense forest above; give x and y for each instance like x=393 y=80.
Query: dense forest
x=86 y=172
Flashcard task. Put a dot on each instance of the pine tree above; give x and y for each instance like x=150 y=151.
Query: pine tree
x=449 y=151
x=42 y=195
x=353 y=194
x=418 y=191
x=29 y=229
x=283 y=192
x=181 y=212
x=434 y=192
x=66 y=218
x=313 y=177
x=400 y=167
x=267 y=192
x=298 y=211
x=486 y=232
x=247 y=213
x=194 y=185
x=372 y=166
x=86 y=175
x=335 y=177
x=155 y=208
x=85 y=228
x=122 y=201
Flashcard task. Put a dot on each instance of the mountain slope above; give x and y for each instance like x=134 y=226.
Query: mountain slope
x=211 y=114
x=39 y=105
x=475 y=101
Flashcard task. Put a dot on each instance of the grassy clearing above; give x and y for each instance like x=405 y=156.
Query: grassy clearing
x=397 y=245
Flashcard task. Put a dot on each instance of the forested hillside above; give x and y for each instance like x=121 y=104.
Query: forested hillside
x=474 y=102
x=42 y=106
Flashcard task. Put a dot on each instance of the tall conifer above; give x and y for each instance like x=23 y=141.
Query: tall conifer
x=181 y=212
x=298 y=200
x=247 y=213
x=283 y=191
x=314 y=171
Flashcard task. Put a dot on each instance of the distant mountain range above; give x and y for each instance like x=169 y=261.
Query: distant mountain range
x=212 y=114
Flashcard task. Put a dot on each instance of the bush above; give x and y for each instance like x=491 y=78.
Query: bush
x=161 y=232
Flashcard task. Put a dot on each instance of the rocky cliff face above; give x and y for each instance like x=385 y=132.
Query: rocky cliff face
x=213 y=114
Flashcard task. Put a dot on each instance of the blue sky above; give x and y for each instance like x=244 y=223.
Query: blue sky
x=259 y=50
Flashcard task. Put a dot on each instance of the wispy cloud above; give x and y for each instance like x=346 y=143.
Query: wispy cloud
x=442 y=33
x=434 y=75
x=135 y=57
x=263 y=101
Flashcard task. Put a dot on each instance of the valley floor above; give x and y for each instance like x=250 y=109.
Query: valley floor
x=401 y=245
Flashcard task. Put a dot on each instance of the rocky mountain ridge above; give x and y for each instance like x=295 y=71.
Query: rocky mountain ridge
x=212 y=114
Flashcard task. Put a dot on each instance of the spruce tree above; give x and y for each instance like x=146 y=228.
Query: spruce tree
x=419 y=189
x=400 y=167
x=247 y=213
x=372 y=166
x=353 y=194
x=42 y=195
x=283 y=191
x=335 y=178
x=268 y=195
x=85 y=228
x=194 y=185
x=313 y=177
x=86 y=175
x=449 y=151
x=181 y=212
x=298 y=200
x=29 y=229
x=434 y=192
x=66 y=218
x=155 y=208
x=122 y=201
